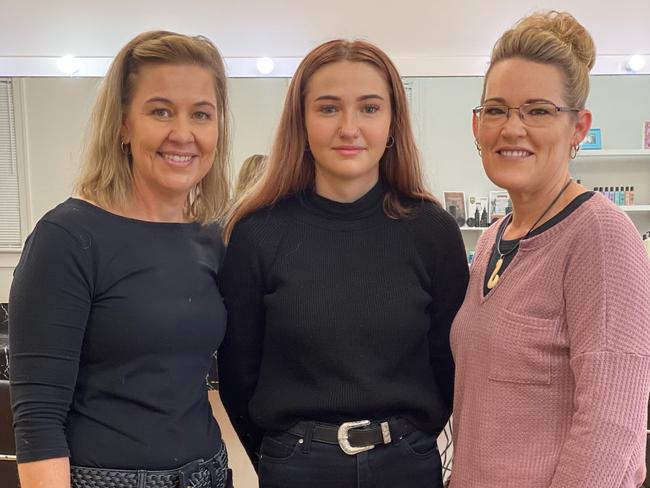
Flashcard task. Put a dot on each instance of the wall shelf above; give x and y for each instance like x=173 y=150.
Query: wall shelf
x=625 y=208
x=635 y=208
x=473 y=228
x=613 y=153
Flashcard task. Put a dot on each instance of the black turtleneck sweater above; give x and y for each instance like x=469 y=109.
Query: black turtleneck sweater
x=337 y=312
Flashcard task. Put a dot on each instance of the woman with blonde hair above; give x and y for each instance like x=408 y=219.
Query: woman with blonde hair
x=341 y=279
x=113 y=318
x=250 y=170
x=551 y=344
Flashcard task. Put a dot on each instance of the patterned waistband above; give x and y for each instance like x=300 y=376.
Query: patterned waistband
x=212 y=473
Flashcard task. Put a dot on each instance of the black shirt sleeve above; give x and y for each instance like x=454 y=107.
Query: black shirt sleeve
x=449 y=284
x=49 y=303
x=240 y=354
x=441 y=247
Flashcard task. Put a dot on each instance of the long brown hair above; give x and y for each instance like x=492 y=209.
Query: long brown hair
x=106 y=176
x=290 y=167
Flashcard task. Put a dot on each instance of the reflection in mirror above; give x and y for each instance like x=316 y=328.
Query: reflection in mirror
x=51 y=116
x=441 y=111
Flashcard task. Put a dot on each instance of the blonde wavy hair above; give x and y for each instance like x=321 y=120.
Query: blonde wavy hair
x=290 y=166
x=251 y=168
x=106 y=177
x=554 y=38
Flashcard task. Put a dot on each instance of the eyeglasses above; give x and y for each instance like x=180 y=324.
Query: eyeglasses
x=534 y=114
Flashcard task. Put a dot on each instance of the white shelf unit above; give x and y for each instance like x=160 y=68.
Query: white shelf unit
x=596 y=155
x=635 y=208
x=619 y=158
x=614 y=153
x=625 y=208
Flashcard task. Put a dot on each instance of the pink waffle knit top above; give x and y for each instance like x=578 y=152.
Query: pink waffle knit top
x=553 y=365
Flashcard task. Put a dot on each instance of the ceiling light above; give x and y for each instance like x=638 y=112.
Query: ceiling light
x=265 y=65
x=69 y=65
x=635 y=63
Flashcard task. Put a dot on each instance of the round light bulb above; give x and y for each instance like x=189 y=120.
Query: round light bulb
x=635 y=63
x=265 y=65
x=68 y=64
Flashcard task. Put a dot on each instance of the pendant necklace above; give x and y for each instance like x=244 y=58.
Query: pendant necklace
x=494 y=277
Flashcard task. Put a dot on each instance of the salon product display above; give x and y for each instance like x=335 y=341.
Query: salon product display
x=477 y=211
x=620 y=195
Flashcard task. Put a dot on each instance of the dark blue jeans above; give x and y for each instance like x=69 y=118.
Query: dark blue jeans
x=289 y=462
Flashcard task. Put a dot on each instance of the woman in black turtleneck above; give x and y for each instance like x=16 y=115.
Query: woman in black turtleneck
x=341 y=279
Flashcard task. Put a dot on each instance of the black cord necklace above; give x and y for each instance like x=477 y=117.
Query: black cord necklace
x=494 y=277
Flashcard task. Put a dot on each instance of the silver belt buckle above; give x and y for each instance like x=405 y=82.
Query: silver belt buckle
x=345 y=428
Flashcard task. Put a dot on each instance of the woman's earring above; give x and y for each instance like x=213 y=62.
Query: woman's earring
x=125 y=148
x=390 y=142
x=573 y=152
x=478 y=147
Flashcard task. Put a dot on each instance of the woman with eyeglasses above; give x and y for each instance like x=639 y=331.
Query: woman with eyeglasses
x=552 y=343
x=341 y=279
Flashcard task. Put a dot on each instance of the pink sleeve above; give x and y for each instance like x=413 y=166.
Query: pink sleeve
x=607 y=297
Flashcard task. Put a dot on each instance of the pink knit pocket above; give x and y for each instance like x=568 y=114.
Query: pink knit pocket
x=520 y=349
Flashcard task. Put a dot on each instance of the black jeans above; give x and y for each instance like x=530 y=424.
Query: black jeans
x=287 y=461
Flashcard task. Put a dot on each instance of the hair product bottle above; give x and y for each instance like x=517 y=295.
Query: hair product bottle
x=484 y=218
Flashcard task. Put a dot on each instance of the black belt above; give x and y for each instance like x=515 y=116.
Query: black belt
x=355 y=437
x=196 y=474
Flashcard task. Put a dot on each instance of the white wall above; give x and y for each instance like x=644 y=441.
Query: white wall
x=56 y=111
x=415 y=29
x=51 y=118
x=55 y=115
x=620 y=110
x=256 y=106
x=442 y=113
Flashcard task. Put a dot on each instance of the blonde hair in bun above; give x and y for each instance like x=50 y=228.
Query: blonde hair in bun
x=554 y=38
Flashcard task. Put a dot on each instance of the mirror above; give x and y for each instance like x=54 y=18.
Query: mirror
x=52 y=115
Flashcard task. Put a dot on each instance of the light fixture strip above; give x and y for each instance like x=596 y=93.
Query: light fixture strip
x=285 y=66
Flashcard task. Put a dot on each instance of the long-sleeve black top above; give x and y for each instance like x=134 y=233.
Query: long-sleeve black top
x=112 y=327
x=337 y=312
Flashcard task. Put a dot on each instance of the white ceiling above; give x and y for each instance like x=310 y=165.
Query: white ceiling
x=413 y=30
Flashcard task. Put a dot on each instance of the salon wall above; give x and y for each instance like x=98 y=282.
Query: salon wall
x=442 y=117
x=417 y=29
x=620 y=105
x=55 y=113
x=52 y=114
x=256 y=104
